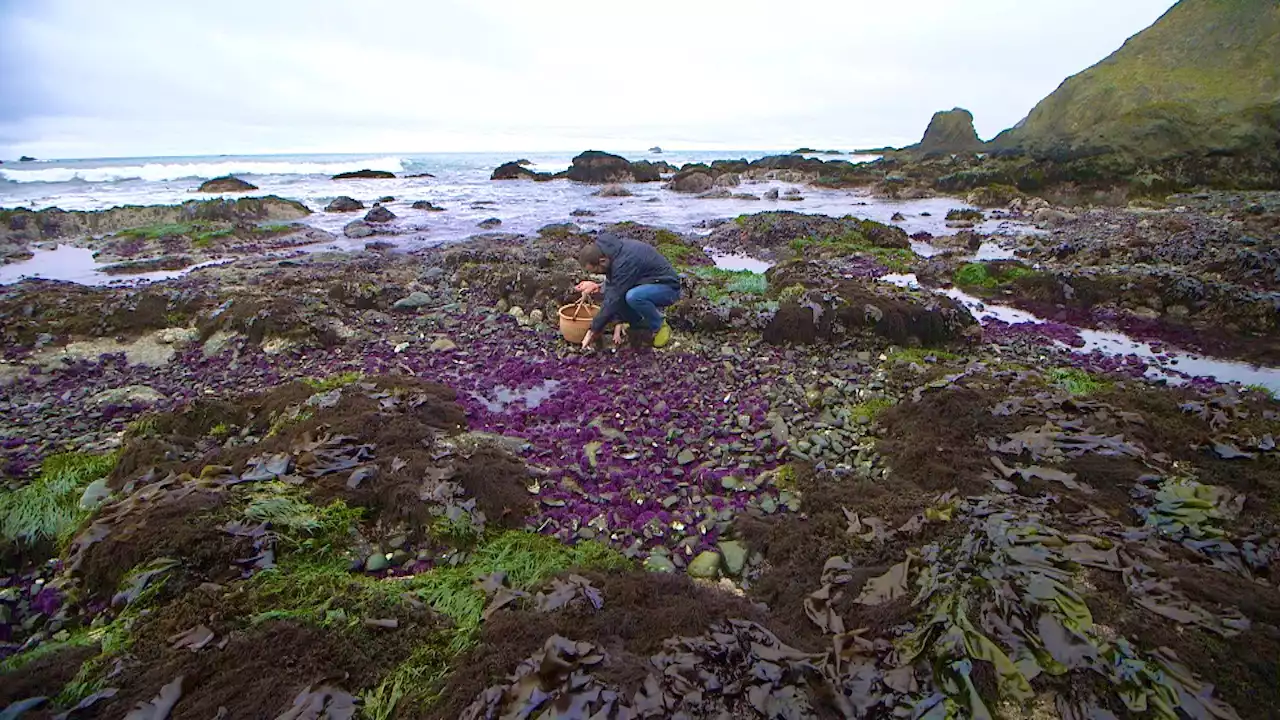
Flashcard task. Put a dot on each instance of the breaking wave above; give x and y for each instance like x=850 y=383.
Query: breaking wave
x=156 y=172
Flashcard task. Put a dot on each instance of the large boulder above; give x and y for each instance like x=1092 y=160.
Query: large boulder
x=515 y=170
x=358 y=229
x=949 y=132
x=602 y=168
x=1204 y=80
x=645 y=171
x=691 y=182
x=226 y=183
x=365 y=175
x=379 y=214
x=342 y=203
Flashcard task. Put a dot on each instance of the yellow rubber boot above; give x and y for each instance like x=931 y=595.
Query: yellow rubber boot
x=663 y=336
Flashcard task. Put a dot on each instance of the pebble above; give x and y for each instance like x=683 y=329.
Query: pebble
x=735 y=556
x=659 y=562
x=413 y=301
x=706 y=565
x=376 y=561
x=95 y=494
x=443 y=345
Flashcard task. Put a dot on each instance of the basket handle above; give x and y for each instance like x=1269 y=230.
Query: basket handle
x=578 y=306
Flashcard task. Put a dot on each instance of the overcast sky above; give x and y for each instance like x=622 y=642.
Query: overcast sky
x=87 y=78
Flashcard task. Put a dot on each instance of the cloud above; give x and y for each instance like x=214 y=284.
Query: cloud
x=145 y=77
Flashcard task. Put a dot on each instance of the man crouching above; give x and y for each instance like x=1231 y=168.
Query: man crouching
x=638 y=282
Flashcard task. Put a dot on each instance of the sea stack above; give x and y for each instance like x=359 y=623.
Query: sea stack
x=949 y=132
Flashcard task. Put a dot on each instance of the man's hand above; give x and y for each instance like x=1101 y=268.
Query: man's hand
x=588 y=287
x=590 y=338
x=619 y=334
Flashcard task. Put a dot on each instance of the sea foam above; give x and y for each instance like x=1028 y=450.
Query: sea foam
x=157 y=172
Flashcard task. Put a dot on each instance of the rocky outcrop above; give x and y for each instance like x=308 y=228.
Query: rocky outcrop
x=26 y=158
x=226 y=183
x=358 y=229
x=1204 y=80
x=601 y=168
x=770 y=235
x=20 y=229
x=645 y=171
x=823 y=308
x=949 y=132
x=790 y=168
x=593 y=167
x=517 y=171
x=426 y=205
x=691 y=182
x=13 y=250
x=655 y=150
x=365 y=175
x=342 y=203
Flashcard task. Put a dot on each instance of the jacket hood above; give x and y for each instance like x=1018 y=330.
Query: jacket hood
x=609 y=244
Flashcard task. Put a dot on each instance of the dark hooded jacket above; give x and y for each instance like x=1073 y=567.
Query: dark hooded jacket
x=631 y=263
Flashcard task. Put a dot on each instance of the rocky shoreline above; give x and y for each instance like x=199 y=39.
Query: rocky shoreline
x=965 y=468
x=388 y=468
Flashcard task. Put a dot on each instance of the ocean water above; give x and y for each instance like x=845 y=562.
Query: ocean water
x=459 y=182
x=94 y=184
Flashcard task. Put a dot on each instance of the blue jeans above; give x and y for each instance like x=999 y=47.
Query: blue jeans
x=643 y=302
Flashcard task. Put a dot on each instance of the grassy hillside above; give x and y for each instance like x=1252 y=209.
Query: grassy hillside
x=1204 y=78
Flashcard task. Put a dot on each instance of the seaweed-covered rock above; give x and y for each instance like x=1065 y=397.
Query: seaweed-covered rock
x=691 y=182
x=20 y=229
x=342 y=203
x=357 y=229
x=516 y=170
x=994 y=196
x=776 y=234
x=831 y=309
x=601 y=168
x=379 y=214
x=365 y=175
x=226 y=183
